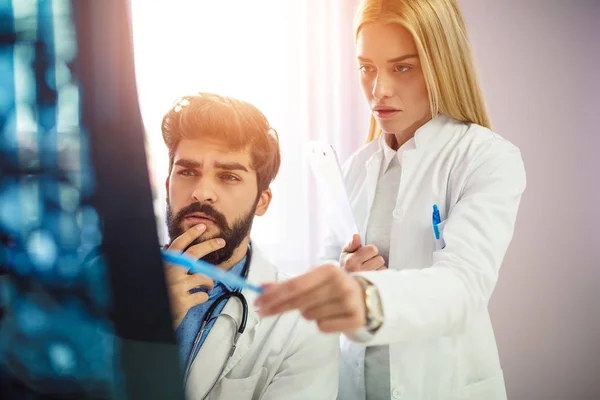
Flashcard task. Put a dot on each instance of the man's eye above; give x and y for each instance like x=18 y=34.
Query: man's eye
x=230 y=178
x=365 y=69
x=187 y=172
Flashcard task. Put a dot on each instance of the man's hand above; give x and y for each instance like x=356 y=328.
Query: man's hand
x=355 y=257
x=326 y=294
x=179 y=282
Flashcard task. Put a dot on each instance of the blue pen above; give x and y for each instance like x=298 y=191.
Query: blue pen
x=209 y=270
x=436 y=220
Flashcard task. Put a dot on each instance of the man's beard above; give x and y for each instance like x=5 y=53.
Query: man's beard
x=233 y=236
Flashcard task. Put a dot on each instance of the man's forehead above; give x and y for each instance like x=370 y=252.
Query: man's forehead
x=210 y=151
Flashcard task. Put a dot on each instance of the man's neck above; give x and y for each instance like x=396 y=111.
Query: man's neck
x=238 y=255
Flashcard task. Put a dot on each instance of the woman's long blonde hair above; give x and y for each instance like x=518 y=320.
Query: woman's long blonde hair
x=440 y=36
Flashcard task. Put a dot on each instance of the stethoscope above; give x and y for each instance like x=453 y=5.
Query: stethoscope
x=208 y=317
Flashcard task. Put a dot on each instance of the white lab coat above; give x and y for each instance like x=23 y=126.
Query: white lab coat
x=435 y=300
x=280 y=357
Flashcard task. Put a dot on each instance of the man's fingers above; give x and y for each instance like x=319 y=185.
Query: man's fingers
x=197 y=280
x=275 y=297
x=201 y=249
x=174 y=273
x=181 y=282
x=181 y=300
x=183 y=241
x=196 y=298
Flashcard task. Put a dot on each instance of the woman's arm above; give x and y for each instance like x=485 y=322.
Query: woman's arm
x=440 y=300
x=437 y=299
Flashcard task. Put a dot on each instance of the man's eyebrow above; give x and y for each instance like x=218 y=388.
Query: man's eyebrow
x=393 y=60
x=230 y=166
x=186 y=163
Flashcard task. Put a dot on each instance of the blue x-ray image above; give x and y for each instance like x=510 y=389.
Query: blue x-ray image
x=55 y=334
x=84 y=311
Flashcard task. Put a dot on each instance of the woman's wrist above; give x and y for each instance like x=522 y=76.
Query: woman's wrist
x=372 y=302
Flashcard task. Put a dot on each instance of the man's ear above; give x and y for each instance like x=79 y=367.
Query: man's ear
x=263 y=202
x=167 y=184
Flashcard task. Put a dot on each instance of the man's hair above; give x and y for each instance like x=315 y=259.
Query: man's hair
x=239 y=125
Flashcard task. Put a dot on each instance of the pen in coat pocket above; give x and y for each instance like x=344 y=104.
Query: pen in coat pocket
x=436 y=220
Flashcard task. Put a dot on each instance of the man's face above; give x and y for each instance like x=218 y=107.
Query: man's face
x=214 y=186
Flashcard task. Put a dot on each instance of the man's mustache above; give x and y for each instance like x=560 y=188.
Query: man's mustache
x=206 y=209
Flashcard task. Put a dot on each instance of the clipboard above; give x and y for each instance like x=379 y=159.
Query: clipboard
x=326 y=168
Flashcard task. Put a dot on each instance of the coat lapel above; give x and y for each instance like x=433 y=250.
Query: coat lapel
x=373 y=167
x=214 y=353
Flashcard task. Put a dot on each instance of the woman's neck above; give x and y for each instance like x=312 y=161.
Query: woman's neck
x=396 y=140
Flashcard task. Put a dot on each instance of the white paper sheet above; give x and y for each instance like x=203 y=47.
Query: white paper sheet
x=328 y=173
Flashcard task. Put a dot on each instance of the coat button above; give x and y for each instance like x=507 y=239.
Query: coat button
x=398 y=393
x=398 y=213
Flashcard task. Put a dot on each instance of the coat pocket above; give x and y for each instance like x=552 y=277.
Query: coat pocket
x=248 y=388
x=487 y=389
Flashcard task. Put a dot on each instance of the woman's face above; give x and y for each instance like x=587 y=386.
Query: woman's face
x=391 y=78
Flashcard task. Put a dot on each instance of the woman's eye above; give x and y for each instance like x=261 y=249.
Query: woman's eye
x=401 y=68
x=366 y=69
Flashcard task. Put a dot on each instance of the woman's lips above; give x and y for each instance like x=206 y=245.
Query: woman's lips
x=386 y=114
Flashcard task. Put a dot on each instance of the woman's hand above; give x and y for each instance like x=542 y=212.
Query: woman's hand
x=355 y=257
x=326 y=294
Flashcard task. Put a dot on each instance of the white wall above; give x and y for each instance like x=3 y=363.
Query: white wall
x=539 y=63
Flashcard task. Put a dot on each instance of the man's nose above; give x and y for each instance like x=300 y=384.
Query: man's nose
x=204 y=192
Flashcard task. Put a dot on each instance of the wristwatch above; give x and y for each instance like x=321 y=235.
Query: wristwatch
x=373 y=307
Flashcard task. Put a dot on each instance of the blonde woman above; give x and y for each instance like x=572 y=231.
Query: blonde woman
x=412 y=301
